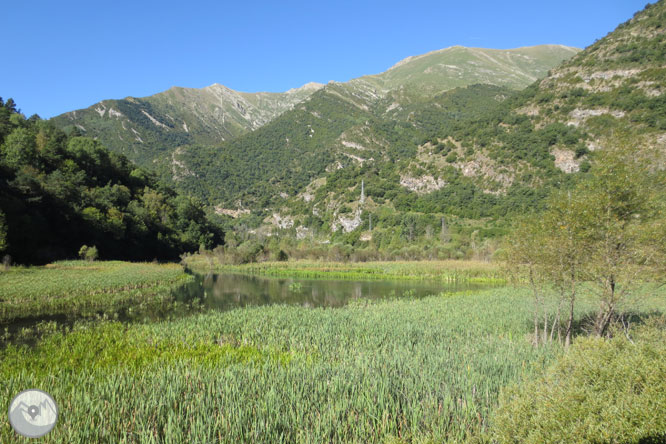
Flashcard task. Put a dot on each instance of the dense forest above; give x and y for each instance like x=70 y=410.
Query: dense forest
x=59 y=192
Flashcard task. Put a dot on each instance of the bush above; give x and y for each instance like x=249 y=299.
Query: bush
x=249 y=252
x=600 y=391
x=88 y=253
x=581 y=150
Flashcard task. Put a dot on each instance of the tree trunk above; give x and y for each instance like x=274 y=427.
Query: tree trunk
x=536 y=308
x=567 y=338
x=555 y=322
x=545 y=323
x=572 y=301
x=606 y=311
x=604 y=319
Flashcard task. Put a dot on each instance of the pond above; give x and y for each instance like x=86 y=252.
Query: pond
x=226 y=291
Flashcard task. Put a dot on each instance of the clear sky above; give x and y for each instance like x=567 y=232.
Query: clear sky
x=60 y=55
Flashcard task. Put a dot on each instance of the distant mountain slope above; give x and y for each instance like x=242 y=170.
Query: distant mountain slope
x=458 y=66
x=355 y=149
x=613 y=89
x=419 y=78
x=370 y=119
x=150 y=127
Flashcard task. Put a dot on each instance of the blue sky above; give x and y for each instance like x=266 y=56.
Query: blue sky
x=63 y=55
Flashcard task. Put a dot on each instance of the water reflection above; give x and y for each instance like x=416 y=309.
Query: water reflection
x=228 y=291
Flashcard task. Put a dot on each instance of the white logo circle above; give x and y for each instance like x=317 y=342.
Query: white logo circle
x=33 y=413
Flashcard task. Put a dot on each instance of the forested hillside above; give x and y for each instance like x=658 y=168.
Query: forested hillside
x=616 y=86
x=59 y=192
x=446 y=143
x=473 y=157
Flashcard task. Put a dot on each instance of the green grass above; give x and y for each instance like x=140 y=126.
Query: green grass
x=79 y=288
x=601 y=391
x=411 y=370
x=420 y=370
x=448 y=271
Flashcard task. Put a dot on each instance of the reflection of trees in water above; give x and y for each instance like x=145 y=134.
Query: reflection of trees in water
x=226 y=291
x=240 y=291
x=358 y=291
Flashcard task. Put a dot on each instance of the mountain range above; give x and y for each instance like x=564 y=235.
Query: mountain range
x=143 y=128
x=469 y=133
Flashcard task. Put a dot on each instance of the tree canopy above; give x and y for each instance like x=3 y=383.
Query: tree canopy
x=60 y=191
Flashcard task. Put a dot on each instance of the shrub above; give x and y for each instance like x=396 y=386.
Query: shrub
x=600 y=391
x=282 y=256
x=581 y=150
x=88 y=253
x=249 y=252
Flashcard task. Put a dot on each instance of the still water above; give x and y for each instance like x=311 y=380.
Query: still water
x=227 y=291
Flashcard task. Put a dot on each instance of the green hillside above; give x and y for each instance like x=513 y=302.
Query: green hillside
x=147 y=128
x=150 y=128
x=464 y=137
x=613 y=88
x=457 y=66
x=59 y=193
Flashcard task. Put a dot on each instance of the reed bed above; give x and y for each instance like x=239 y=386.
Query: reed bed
x=450 y=271
x=79 y=288
x=405 y=370
x=398 y=371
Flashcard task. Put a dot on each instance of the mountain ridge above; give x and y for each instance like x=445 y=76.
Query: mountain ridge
x=148 y=127
x=178 y=116
x=475 y=152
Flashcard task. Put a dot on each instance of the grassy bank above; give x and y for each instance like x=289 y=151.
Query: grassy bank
x=79 y=288
x=412 y=369
x=390 y=371
x=400 y=370
x=447 y=271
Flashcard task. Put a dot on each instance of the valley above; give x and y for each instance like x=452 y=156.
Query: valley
x=469 y=247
